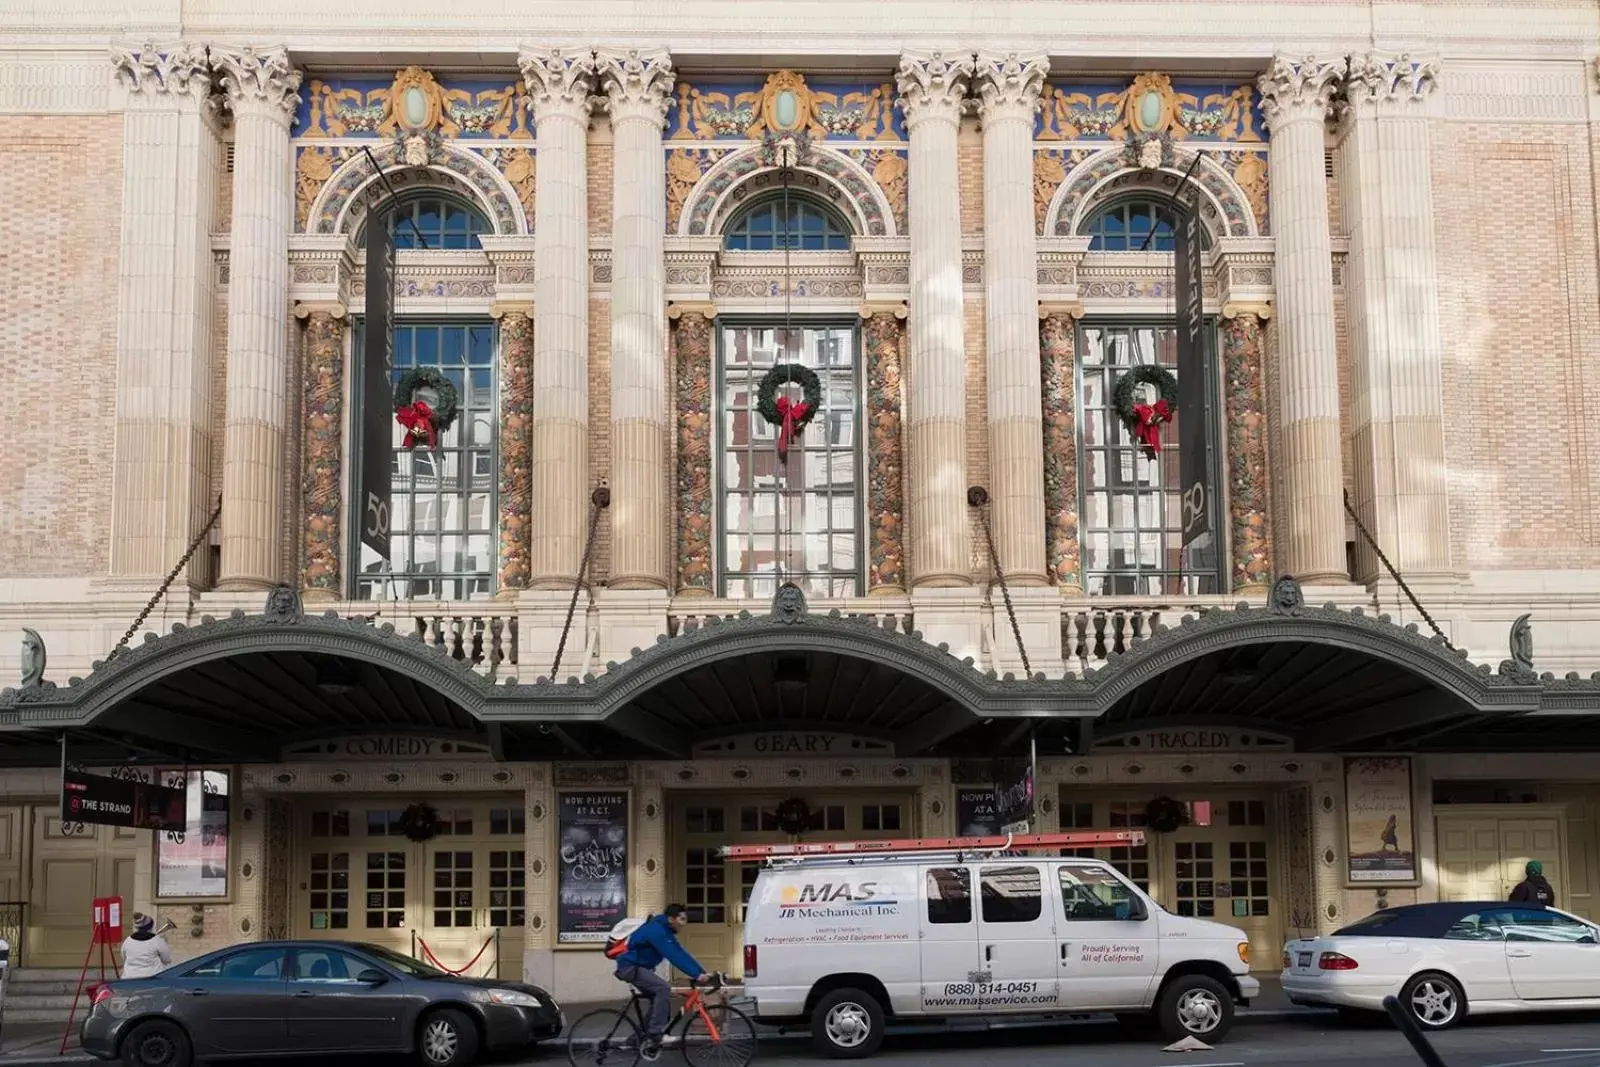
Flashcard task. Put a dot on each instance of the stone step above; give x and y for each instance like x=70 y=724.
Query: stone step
x=50 y=987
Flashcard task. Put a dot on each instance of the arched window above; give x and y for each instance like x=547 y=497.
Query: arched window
x=1125 y=225
x=444 y=222
x=810 y=226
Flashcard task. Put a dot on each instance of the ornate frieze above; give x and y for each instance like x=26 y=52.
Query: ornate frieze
x=258 y=78
x=933 y=85
x=1244 y=402
x=882 y=337
x=415 y=102
x=516 y=447
x=431 y=279
x=1380 y=78
x=787 y=102
x=321 y=451
x=1299 y=88
x=691 y=349
x=179 y=70
x=1058 y=372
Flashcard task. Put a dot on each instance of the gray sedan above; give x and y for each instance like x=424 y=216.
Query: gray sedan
x=312 y=998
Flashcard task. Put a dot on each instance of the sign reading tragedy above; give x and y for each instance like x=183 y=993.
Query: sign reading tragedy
x=377 y=386
x=100 y=800
x=1194 y=405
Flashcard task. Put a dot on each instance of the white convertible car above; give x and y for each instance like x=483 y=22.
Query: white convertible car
x=1444 y=961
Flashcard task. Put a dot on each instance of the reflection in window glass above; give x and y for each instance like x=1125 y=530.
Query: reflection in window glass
x=1131 y=514
x=444 y=223
x=1012 y=894
x=1133 y=225
x=949 y=895
x=811 y=227
x=798 y=522
x=443 y=510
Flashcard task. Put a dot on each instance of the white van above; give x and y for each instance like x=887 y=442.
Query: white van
x=849 y=942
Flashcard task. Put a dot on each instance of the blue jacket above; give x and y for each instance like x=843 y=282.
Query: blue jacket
x=655 y=941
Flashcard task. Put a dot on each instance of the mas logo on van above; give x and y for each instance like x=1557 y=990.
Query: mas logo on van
x=834 y=900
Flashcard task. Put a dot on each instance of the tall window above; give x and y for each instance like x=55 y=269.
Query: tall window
x=443 y=221
x=1131 y=515
x=442 y=503
x=805 y=225
x=799 y=522
x=1126 y=225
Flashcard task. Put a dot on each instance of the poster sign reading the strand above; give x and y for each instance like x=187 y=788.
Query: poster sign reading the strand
x=593 y=880
x=1381 y=843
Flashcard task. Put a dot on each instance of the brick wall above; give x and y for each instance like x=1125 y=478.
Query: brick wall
x=62 y=179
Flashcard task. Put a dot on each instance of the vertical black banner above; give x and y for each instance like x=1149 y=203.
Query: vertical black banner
x=377 y=389
x=1194 y=433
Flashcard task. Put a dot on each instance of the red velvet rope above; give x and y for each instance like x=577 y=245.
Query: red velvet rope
x=428 y=952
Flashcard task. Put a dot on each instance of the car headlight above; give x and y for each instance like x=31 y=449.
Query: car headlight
x=510 y=998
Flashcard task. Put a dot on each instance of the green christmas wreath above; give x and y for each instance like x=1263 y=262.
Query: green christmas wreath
x=790 y=416
x=424 y=422
x=1144 y=421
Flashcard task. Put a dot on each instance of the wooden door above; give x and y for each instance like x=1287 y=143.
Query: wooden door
x=1482 y=856
x=1527 y=839
x=74 y=863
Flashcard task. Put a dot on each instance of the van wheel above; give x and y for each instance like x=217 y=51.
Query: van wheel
x=847 y=1024
x=1193 y=1005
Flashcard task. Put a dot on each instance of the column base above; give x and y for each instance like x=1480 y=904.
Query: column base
x=1039 y=619
x=951 y=617
x=629 y=619
x=245 y=585
x=318 y=596
x=540 y=615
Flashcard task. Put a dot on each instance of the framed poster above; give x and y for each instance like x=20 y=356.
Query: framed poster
x=1380 y=837
x=592 y=884
x=977 y=811
x=193 y=863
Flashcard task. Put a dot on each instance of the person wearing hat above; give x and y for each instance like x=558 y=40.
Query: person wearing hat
x=145 y=953
x=1534 y=889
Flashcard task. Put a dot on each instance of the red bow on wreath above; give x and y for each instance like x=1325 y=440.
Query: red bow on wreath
x=418 y=421
x=792 y=411
x=1148 y=431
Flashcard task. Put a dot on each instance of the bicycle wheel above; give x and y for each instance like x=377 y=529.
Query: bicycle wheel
x=729 y=1040
x=604 y=1038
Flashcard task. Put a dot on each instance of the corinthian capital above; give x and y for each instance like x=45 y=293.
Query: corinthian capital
x=1009 y=84
x=933 y=85
x=1386 y=78
x=560 y=81
x=179 y=70
x=1299 y=88
x=638 y=82
x=258 y=78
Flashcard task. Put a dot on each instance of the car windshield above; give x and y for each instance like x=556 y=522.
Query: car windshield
x=404 y=964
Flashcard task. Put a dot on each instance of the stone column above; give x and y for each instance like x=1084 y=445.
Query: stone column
x=1244 y=339
x=1058 y=339
x=516 y=446
x=1295 y=94
x=1009 y=85
x=882 y=335
x=691 y=358
x=560 y=83
x=161 y=475
x=933 y=88
x=322 y=451
x=262 y=92
x=638 y=85
x=1396 y=350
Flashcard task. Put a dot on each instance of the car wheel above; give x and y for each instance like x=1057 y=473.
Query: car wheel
x=1434 y=1000
x=157 y=1044
x=446 y=1039
x=1193 y=1005
x=847 y=1024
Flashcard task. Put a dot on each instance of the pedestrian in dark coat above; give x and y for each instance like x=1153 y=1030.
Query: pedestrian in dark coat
x=1534 y=889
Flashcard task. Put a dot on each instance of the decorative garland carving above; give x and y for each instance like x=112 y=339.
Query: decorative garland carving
x=882 y=336
x=691 y=345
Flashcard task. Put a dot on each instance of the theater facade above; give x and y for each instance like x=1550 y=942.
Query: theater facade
x=790 y=445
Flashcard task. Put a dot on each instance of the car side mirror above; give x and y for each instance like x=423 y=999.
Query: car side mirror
x=372 y=976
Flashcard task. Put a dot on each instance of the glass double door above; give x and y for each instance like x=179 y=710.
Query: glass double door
x=456 y=900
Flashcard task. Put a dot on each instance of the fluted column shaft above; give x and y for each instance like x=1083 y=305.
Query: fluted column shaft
x=322 y=450
x=1058 y=334
x=1009 y=85
x=932 y=89
x=1244 y=338
x=1396 y=349
x=161 y=467
x=559 y=87
x=262 y=93
x=691 y=350
x=516 y=447
x=882 y=335
x=639 y=86
x=1295 y=97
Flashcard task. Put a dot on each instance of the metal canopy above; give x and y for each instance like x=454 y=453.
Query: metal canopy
x=238 y=688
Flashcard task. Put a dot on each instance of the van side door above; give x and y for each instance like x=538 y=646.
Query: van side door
x=1109 y=949
x=949 y=941
x=1017 y=932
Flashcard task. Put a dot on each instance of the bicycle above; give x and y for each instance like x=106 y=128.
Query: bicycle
x=711 y=1033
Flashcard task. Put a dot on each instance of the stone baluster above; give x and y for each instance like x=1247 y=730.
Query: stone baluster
x=933 y=88
x=638 y=84
x=1244 y=336
x=1295 y=94
x=1058 y=333
x=1396 y=349
x=691 y=358
x=560 y=86
x=322 y=450
x=882 y=335
x=516 y=446
x=262 y=93
x=1008 y=86
x=161 y=480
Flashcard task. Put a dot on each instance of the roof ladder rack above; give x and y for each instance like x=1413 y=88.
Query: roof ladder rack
x=913 y=845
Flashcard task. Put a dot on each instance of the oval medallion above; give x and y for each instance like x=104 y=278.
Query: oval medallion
x=786 y=109
x=416 y=103
x=1150 y=110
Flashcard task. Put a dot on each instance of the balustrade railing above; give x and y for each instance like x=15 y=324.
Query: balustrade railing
x=1092 y=631
x=482 y=634
x=688 y=616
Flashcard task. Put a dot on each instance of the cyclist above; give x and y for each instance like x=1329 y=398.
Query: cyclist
x=653 y=942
